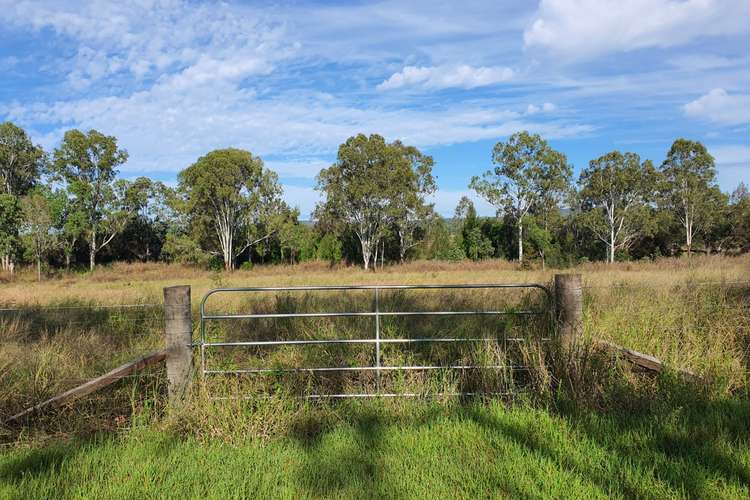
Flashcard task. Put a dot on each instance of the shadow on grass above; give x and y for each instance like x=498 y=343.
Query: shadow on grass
x=49 y=461
x=31 y=323
x=37 y=462
x=689 y=447
x=693 y=448
x=683 y=437
x=348 y=464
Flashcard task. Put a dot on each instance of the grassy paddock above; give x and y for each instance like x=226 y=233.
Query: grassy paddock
x=465 y=451
x=612 y=433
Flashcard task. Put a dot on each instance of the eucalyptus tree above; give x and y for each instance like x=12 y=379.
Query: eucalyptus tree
x=71 y=223
x=290 y=235
x=527 y=173
x=409 y=208
x=39 y=224
x=475 y=244
x=10 y=219
x=375 y=185
x=689 y=188
x=230 y=199
x=540 y=238
x=739 y=218
x=21 y=165
x=88 y=162
x=614 y=192
x=147 y=203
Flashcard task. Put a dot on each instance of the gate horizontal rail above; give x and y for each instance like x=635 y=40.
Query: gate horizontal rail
x=377 y=341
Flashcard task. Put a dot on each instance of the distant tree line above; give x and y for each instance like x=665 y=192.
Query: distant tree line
x=68 y=208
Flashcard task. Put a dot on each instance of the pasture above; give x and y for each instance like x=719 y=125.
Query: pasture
x=594 y=428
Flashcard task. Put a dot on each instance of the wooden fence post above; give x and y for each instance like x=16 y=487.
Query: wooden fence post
x=569 y=308
x=178 y=331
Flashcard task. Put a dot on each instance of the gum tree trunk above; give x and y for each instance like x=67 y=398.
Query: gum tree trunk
x=92 y=251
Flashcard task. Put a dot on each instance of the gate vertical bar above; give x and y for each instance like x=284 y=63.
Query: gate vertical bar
x=377 y=336
x=203 y=344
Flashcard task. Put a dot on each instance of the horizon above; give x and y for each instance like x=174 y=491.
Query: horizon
x=173 y=80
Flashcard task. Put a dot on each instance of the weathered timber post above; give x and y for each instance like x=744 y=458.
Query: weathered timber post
x=178 y=331
x=569 y=309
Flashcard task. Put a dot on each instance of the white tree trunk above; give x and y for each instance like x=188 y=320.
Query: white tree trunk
x=227 y=251
x=92 y=251
x=366 y=253
x=402 y=246
x=7 y=264
x=520 y=241
x=226 y=241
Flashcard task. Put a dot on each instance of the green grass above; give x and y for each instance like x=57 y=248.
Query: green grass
x=469 y=451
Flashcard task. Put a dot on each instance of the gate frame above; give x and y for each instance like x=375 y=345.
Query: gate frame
x=377 y=340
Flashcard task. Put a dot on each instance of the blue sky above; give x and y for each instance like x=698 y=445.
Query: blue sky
x=291 y=80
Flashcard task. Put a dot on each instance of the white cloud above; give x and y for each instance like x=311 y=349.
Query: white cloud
x=547 y=107
x=720 y=107
x=149 y=37
x=208 y=70
x=174 y=79
x=581 y=29
x=700 y=62
x=443 y=77
x=166 y=127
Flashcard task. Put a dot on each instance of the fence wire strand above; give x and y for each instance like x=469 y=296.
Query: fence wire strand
x=38 y=307
x=674 y=285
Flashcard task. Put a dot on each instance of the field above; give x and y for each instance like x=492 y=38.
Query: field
x=593 y=429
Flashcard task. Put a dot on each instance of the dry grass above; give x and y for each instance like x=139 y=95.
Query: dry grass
x=127 y=283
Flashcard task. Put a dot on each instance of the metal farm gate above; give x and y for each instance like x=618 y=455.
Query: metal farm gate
x=541 y=309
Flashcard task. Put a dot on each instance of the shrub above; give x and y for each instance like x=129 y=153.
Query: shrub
x=452 y=252
x=330 y=249
x=183 y=250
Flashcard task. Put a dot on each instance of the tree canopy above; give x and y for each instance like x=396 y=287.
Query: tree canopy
x=21 y=166
x=376 y=208
x=689 y=187
x=528 y=172
x=614 y=192
x=21 y=162
x=373 y=186
x=231 y=200
x=87 y=163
